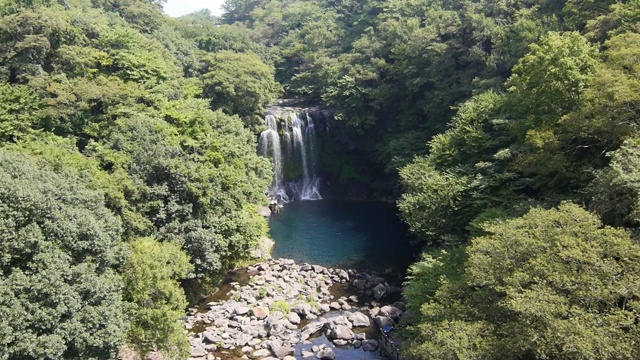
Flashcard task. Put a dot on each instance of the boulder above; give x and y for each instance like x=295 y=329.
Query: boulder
x=339 y=342
x=382 y=321
x=390 y=311
x=211 y=338
x=343 y=275
x=379 y=291
x=359 y=319
x=198 y=351
x=243 y=339
x=303 y=309
x=326 y=354
x=293 y=318
x=281 y=351
x=357 y=344
x=261 y=353
x=341 y=332
x=369 y=345
x=241 y=310
x=312 y=327
x=318 y=269
x=275 y=325
x=360 y=285
x=260 y=312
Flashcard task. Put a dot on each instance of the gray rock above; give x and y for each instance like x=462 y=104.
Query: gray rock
x=343 y=275
x=275 y=325
x=289 y=358
x=261 y=353
x=243 y=339
x=339 y=342
x=198 y=351
x=307 y=354
x=390 y=311
x=382 y=321
x=361 y=336
x=335 y=306
x=357 y=343
x=241 y=310
x=312 y=328
x=341 y=332
x=220 y=323
x=281 y=351
x=359 y=319
x=318 y=269
x=369 y=345
x=326 y=354
x=379 y=291
x=360 y=285
x=293 y=318
x=211 y=338
x=260 y=312
x=303 y=309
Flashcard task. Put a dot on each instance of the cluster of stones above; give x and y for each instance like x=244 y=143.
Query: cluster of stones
x=262 y=319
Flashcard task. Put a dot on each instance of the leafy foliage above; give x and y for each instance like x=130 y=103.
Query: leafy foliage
x=539 y=286
x=61 y=296
x=113 y=108
x=150 y=284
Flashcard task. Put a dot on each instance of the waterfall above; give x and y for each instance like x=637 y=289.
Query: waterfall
x=299 y=138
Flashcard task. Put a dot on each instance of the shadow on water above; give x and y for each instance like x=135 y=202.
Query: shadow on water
x=358 y=235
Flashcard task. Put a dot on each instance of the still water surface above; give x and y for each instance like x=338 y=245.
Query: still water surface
x=361 y=235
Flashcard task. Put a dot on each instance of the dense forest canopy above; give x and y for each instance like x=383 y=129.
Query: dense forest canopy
x=503 y=121
x=508 y=130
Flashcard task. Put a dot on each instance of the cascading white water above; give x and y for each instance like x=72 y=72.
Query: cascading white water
x=299 y=140
x=269 y=144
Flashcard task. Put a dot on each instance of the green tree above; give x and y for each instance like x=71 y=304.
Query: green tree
x=151 y=277
x=432 y=203
x=239 y=84
x=18 y=111
x=60 y=294
x=548 y=81
x=550 y=284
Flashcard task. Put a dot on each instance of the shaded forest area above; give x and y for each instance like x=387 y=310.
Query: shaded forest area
x=507 y=128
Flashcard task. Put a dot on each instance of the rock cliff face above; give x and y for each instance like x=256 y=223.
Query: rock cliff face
x=284 y=305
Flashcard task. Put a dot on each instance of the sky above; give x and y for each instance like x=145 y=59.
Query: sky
x=182 y=7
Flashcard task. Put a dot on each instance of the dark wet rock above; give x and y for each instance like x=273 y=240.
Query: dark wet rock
x=369 y=345
x=379 y=291
x=383 y=321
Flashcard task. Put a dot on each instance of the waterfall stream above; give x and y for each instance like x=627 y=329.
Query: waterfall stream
x=294 y=147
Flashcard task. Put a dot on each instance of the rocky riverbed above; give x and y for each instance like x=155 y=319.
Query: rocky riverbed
x=284 y=306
